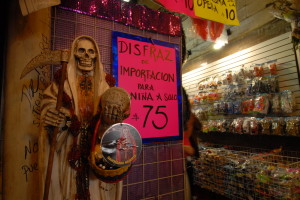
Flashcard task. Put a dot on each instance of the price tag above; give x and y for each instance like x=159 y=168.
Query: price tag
x=149 y=70
x=223 y=11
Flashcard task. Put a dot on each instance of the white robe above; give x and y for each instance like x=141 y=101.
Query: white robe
x=63 y=177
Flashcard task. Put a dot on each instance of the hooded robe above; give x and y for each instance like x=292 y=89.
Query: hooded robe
x=63 y=178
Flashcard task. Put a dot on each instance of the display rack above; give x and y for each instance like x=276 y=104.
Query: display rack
x=242 y=173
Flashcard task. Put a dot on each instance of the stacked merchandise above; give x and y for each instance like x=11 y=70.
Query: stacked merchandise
x=247 y=101
x=278 y=177
x=247 y=90
x=282 y=126
x=243 y=83
x=207 y=172
x=247 y=175
x=261 y=104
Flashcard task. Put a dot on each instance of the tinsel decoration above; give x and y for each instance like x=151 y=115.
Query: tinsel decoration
x=134 y=15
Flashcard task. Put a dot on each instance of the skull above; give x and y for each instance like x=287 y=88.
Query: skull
x=85 y=53
x=115 y=105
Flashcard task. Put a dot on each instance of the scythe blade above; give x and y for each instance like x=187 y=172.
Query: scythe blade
x=46 y=58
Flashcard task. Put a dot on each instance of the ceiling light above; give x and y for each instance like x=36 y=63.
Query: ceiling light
x=219 y=45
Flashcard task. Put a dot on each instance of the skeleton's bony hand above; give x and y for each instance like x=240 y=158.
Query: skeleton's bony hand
x=57 y=118
x=112 y=114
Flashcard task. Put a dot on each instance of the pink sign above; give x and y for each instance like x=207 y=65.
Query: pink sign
x=181 y=6
x=149 y=72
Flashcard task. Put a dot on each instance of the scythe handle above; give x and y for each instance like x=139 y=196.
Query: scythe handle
x=56 y=129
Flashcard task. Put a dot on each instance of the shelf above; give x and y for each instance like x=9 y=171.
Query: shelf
x=290 y=143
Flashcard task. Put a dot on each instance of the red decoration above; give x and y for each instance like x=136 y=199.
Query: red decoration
x=201 y=27
x=215 y=30
x=75 y=126
x=127 y=13
x=208 y=30
x=111 y=81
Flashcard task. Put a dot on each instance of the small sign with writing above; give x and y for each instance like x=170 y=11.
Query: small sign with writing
x=149 y=70
x=223 y=11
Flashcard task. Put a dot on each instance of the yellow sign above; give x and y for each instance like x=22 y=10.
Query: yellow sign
x=222 y=11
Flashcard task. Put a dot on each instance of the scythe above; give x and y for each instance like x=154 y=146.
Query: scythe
x=46 y=58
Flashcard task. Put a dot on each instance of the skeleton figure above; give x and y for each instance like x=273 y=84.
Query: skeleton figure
x=86 y=54
x=83 y=88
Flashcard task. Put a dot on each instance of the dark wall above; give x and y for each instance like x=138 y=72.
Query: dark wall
x=3 y=42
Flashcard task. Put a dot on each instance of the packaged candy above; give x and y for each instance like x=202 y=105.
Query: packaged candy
x=196 y=98
x=260 y=85
x=262 y=104
x=249 y=91
x=278 y=126
x=216 y=108
x=237 y=107
x=223 y=79
x=230 y=92
x=246 y=126
x=292 y=126
x=235 y=77
x=202 y=85
x=220 y=126
x=226 y=124
x=247 y=106
x=272 y=85
x=263 y=87
x=204 y=126
x=287 y=102
x=238 y=76
x=266 y=124
x=210 y=109
x=212 y=83
x=275 y=127
x=238 y=125
x=226 y=93
x=275 y=104
x=218 y=80
x=256 y=84
x=230 y=108
x=229 y=77
x=239 y=92
x=245 y=109
x=214 y=96
x=272 y=65
x=241 y=75
x=202 y=96
x=254 y=126
x=223 y=108
x=258 y=70
x=248 y=71
x=212 y=126
x=202 y=113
